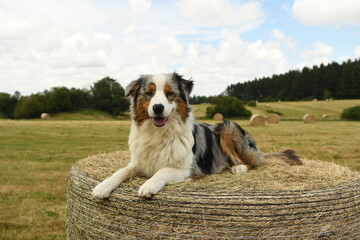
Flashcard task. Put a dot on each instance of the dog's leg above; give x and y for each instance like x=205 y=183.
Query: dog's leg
x=161 y=178
x=103 y=189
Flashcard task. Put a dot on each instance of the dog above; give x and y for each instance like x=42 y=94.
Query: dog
x=167 y=145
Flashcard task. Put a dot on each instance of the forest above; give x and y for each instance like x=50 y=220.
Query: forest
x=338 y=81
x=105 y=95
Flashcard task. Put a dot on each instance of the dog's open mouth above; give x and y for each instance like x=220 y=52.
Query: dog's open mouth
x=159 y=121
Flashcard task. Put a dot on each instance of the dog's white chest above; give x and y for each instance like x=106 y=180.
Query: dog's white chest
x=154 y=148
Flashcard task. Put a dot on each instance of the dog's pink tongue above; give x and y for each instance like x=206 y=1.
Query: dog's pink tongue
x=159 y=121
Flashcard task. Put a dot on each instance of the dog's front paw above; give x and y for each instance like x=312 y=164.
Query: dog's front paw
x=149 y=189
x=103 y=189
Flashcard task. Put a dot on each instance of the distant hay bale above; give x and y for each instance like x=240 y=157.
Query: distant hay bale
x=45 y=116
x=315 y=100
x=325 y=116
x=257 y=120
x=318 y=200
x=218 y=117
x=309 y=118
x=267 y=105
x=273 y=118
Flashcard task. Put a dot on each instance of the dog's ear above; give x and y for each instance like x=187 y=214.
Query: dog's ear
x=132 y=90
x=185 y=86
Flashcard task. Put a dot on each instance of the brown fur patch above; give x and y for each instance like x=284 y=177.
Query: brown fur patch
x=141 y=113
x=151 y=88
x=227 y=145
x=237 y=153
x=143 y=101
x=169 y=93
x=182 y=109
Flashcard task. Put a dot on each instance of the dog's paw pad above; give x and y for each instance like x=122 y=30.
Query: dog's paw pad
x=239 y=169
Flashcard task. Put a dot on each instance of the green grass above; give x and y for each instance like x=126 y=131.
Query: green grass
x=293 y=110
x=297 y=110
x=36 y=156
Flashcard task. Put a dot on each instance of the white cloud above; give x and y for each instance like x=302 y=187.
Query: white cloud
x=357 y=52
x=215 y=13
x=324 y=12
x=40 y=51
x=320 y=54
x=320 y=50
x=280 y=36
x=47 y=43
x=214 y=68
x=140 y=7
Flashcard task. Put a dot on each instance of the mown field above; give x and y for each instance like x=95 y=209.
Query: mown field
x=294 y=110
x=36 y=156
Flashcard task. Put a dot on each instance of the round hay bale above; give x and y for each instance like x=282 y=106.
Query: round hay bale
x=45 y=116
x=218 y=117
x=257 y=120
x=318 y=200
x=273 y=118
x=325 y=116
x=309 y=118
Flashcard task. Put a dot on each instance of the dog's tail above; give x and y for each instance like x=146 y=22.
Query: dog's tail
x=241 y=148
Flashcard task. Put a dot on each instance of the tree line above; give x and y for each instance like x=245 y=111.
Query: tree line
x=106 y=95
x=340 y=81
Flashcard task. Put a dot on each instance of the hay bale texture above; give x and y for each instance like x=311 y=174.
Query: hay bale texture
x=218 y=117
x=309 y=118
x=257 y=120
x=318 y=200
x=273 y=118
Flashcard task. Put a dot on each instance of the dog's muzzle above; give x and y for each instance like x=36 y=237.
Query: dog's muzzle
x=159 y=121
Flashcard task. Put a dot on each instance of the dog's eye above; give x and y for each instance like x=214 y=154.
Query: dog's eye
x=170 y=94
x=149 y=94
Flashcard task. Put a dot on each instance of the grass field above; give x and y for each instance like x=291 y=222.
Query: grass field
x=294 y=110
x=36 y=156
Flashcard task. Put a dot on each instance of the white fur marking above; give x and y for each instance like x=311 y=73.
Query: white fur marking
x=160 y=179
x=239 y=169
x=160 y=97
x=103 y=189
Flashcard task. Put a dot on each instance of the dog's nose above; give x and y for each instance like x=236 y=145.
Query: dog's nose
x=158 y=108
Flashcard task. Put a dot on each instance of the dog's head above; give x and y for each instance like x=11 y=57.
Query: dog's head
x=157 y=98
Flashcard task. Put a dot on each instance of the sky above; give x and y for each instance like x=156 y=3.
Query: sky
x=74 y=43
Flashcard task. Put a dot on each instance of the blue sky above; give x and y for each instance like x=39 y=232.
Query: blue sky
x=73 y=43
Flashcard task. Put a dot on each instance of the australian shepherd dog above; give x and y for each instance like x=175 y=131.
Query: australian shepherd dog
x=168 y=146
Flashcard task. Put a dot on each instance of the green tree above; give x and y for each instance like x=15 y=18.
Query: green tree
x=80 y=98
x=109 y=96
x=58 y=100
x=228 y=107
x=31 y=106
x=352 y=113
x=326 y=94
x=8 y=104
